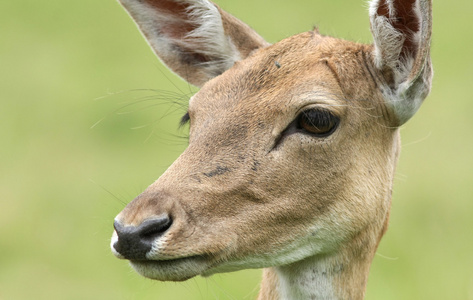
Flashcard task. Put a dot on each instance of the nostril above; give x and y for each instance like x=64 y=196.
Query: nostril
x=134 y=242
x=151 y=229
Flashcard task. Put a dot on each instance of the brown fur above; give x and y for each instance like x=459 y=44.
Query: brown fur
x=248 y=193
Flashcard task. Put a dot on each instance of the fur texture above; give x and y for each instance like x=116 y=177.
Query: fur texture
x=256 y=190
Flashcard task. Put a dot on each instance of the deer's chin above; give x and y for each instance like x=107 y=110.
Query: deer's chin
x=172 y=270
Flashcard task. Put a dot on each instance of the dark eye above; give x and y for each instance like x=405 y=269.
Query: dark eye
x=319 y=122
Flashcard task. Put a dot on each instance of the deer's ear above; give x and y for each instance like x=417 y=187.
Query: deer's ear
x=194 y=38
x=402 y=30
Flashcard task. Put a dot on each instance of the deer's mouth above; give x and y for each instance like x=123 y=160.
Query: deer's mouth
x=154 y=251
x=179 y=269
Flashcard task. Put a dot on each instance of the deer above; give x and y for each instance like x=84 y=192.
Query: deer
x=291 y=153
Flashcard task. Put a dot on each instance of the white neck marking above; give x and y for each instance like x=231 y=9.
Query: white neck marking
x=312 y=278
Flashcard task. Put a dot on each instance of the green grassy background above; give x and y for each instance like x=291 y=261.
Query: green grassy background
x=65 y=65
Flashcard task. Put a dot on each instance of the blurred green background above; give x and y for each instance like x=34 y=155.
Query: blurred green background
x=67 y=65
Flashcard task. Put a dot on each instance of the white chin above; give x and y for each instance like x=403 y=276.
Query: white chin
x=171 y=270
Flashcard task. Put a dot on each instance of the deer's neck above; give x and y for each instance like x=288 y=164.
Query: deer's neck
x=339 y=276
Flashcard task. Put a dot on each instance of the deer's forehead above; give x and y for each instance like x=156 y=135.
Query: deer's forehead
x=272 y=87
x=274 y=78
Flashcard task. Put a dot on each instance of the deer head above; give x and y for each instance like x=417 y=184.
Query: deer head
x=292 y=149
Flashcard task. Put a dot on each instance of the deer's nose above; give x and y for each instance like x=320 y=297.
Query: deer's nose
x=134 y=242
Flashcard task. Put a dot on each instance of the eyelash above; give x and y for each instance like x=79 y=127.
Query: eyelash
x=184 y=120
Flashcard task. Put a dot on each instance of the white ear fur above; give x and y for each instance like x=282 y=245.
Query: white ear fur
x=403 y=52
x=187 y=35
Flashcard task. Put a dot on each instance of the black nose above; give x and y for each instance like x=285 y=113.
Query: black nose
x=135 y=241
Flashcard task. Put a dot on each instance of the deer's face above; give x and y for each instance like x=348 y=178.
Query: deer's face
x=281 y=145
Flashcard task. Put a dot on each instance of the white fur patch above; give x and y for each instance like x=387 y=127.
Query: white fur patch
x=312 y=281
x=388 y=43
x=157 y=248
x=112 y=242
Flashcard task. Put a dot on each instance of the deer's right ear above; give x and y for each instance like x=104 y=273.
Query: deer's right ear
x=194 y=38
x=402 y=30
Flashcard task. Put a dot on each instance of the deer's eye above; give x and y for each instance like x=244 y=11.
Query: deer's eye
x=318 y=122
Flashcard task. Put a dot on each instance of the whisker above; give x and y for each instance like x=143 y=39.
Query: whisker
x=122 y=202
x=418 y=141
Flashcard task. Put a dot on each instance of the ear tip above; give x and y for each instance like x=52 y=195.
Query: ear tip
x=373 y=7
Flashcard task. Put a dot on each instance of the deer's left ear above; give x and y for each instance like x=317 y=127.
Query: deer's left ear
x=402 y=31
